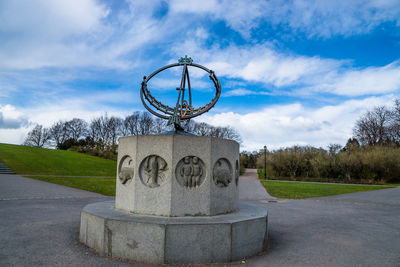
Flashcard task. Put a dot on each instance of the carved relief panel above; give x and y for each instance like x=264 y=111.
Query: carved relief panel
x=125 y=169
x=222 y=173
x=190 y=172
x=152 y=171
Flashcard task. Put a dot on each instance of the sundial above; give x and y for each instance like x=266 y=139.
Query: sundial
x=178 y=176
x=184 y=109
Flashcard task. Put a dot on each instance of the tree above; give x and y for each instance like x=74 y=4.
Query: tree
x=77 y=128
x=131 y=124
x=145 y=123
x=202 y=129
x=352 y=145
x=96 y=132
x=230 y=133
x=159 y=125
x=59 y=133
x=373 y=127
x=38 y=137
x=112 y=125
x=334 y=149
x=394 y=127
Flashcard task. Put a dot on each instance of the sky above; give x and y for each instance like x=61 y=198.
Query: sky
x=292 y=72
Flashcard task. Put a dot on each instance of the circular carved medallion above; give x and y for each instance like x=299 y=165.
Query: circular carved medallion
x=190 y=171
x=152 y=171
x=222 y=173
x=125 y=169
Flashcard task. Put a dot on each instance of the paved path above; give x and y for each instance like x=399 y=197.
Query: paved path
x=250 y=187
x=250 y=174
x=40 y=222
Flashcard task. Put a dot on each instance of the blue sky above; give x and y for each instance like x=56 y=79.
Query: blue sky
x=292 y=72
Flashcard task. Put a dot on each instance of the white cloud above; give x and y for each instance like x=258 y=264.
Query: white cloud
x=10 y=118
x=13 y=136
x=71 y=34
x=243 y=92
x=286 y=125
x=371 y=80
x=13 y=125
x=262 y=63
x=314 y=18
x=54 y=19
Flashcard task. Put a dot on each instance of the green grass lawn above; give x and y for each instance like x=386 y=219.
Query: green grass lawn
x=296 y=190
x=293 y=190
x=34 y=160
x=104 y=186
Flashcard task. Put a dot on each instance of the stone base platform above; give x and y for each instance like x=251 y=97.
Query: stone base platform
x=160 y=239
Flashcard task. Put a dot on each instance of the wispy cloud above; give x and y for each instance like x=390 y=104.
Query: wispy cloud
x=243 y=92
x=297 y=73
x=312 y=18
x=71 y=34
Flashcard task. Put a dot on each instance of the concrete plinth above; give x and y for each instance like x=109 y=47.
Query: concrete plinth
x=160 y=239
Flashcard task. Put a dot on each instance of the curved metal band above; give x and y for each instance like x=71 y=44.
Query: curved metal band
x=170 y=111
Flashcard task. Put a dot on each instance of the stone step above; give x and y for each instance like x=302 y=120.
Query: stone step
x=4 y=169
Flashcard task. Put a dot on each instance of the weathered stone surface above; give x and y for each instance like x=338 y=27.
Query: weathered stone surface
x=160 y=239
x=173 y=175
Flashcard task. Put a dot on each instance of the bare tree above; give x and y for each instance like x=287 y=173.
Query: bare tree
x=94 y=129
x=145 y=123
x=230 y=133
x=77 y=128
x=131 y=124
x=112 y=125
x=394 y=127
x=202 y=129
x=105 y=131
x=159 y=126
x=59 y=133
x=372 y=128
x=38 y=137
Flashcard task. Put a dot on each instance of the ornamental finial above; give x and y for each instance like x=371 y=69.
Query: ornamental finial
x=185 y=60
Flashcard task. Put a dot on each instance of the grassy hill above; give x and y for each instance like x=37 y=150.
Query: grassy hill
x=34 y=160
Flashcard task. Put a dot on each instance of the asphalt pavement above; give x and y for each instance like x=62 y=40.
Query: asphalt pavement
x=39 y=226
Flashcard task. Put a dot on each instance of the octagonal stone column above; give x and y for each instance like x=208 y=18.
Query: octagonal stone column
x=177 y=175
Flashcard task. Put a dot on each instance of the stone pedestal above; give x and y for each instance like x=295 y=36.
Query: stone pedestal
x=176 y=202
x=161 y=239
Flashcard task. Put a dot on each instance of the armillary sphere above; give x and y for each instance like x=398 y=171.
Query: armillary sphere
x=183 y=109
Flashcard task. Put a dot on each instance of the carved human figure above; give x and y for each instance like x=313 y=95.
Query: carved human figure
x=197 y=171
x=186 y=172
x=190 y=171
x=222 y=175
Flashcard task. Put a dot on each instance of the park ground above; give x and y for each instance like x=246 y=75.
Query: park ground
x=40 y=226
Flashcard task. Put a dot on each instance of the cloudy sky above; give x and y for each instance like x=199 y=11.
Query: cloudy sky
x=292 y=72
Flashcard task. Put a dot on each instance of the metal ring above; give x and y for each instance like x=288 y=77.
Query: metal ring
x=145 y=94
